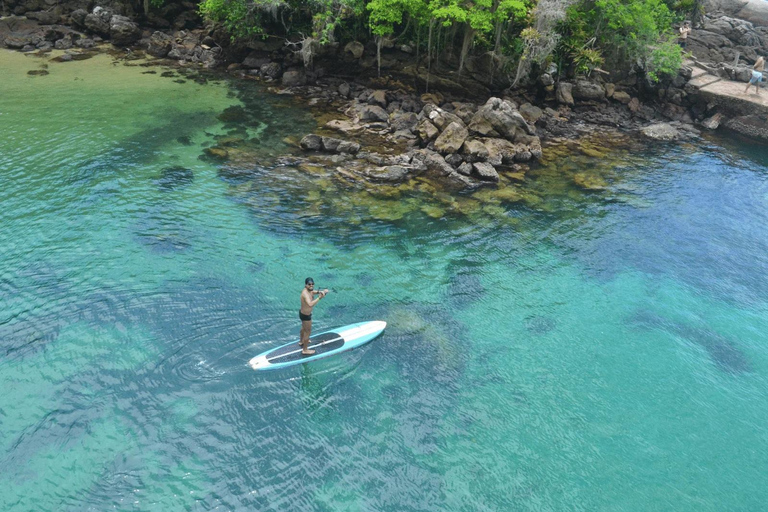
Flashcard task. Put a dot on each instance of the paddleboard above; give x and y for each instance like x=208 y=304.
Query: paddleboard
x=325 y=344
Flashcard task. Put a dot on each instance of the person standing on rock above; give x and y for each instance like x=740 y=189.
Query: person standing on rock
x=308 y=302
x=684 y=31
x=757 y=75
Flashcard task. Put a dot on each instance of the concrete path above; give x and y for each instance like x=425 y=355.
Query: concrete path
x=708 y=83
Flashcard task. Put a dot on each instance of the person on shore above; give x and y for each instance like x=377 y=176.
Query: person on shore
x=685 y=29
x=757 y=75
x=308 y=301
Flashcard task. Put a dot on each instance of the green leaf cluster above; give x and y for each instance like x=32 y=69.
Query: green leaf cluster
x=623 y=33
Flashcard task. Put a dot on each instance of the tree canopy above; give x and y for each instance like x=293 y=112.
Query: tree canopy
x=579 y=35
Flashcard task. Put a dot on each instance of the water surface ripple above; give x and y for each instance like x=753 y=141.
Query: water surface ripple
x=565 y=350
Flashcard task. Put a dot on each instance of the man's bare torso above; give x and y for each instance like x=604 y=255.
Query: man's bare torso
x=306 y=299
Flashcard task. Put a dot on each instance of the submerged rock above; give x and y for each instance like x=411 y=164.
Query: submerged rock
x=661 y=131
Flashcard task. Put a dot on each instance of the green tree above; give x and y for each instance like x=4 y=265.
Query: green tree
x=632 y=32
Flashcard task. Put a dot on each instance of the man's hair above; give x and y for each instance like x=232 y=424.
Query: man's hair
x=309 y=280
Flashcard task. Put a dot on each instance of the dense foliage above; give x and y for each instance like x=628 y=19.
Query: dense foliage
x=577 y=35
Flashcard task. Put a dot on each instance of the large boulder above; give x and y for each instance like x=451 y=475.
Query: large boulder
x=754 y=11
x=661 y=131
x=354 y=49
x=404 y=122
x=388 y=174
x=98 y=21
x=485 y=171
x=379 y=98
x=564 y=94
x=475 y=150
x=498 y=118
x=159 y=44
x=373 y=113
x=439 y=117
x=452 y=138
x=78 y=18
x=427 y=131
x=271 y=70
x=255 y=60
x=294 y=78
x=586 y=90
x=311 y=142
x=44 y=17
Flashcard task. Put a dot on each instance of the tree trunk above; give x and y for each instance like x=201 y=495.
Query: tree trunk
x=469 y=37
x=429 y=52
x=418 y=45
x=378 y=54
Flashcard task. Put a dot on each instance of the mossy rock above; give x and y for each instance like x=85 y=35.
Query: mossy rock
x=312 y=169
x=494 y=210
x=229 y=141
x=589 y=181
x=216 y=153
x=433 y=211
x=388 y=210
x=593 y=151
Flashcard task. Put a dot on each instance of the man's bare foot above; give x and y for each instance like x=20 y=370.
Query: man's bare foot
x=307 y=352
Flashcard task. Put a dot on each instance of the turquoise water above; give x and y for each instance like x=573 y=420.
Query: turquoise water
x=558 y=350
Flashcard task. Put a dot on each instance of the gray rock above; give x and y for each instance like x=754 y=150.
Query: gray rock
x=712 y=123
x=159 y=44
x=452 y=138
x=622 y=97
x=465 y=169
x=344 y=90
x=454 y=160
x=404 y=122
x=330 y=144
x=546 y=80
x=349 y=147
x=65 y=43
x=355 y=49
x=311 y=142
x=43 y=17
x=17 y=42
x=294 y=78
x=586 y=90
x=123 y=31
x=388 y=174
x=85 y=42
x=485 y=171
x=530 y=112
x=271 y=70
x=427 y=131
x=255 y=60
x=379 y=98
x=78 y=17
x=661 y=131
x=98 y=21
x=434 y=162
x=440 y=117
x=475 y=150
x=373 y=113
x=498 y=118
x=564 y=94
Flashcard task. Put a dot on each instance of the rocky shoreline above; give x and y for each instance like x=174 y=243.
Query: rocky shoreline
x=384 y=130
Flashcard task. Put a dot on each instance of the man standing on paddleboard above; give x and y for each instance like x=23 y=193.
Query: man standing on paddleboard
x=308 y=302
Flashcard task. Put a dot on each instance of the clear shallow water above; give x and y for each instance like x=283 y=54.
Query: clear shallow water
x=571 y=351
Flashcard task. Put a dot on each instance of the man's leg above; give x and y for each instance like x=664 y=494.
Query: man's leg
x=306 y=332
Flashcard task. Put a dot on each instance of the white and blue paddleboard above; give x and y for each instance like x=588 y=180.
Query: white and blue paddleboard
x=324 y=344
